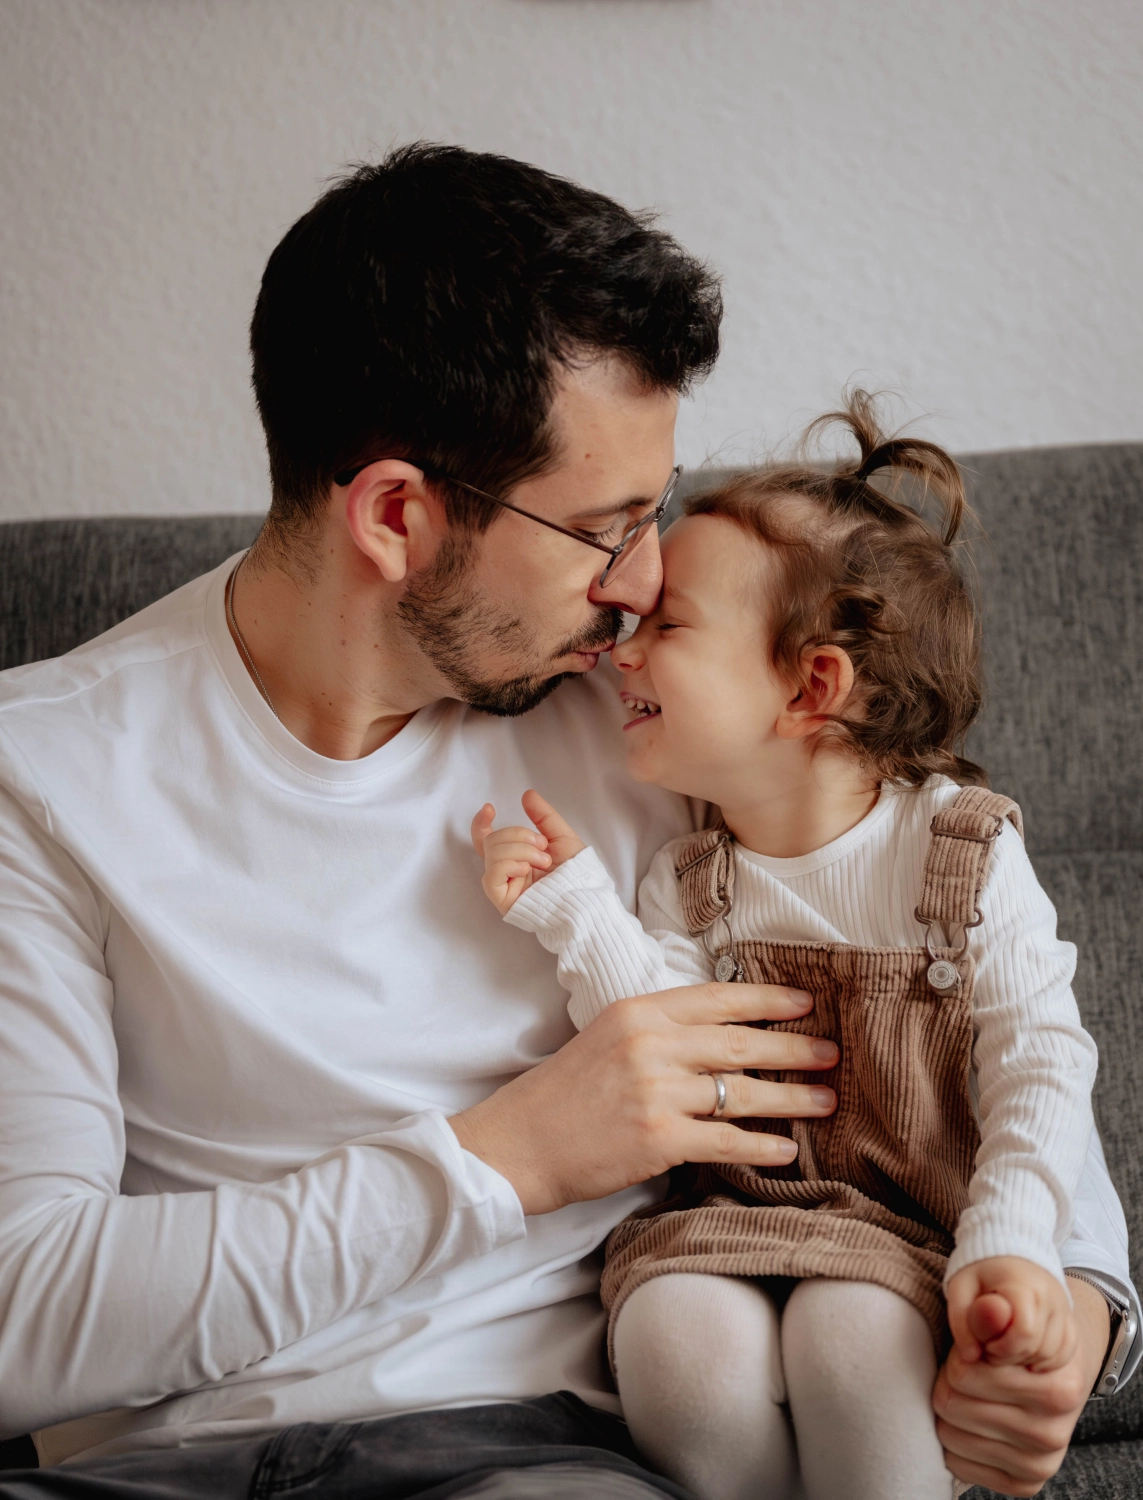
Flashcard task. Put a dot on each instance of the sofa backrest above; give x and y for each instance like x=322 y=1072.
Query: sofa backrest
x=63 y=582
x=1060 y=575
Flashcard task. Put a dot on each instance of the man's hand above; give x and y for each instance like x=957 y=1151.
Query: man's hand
x=631 y=1096
x=1011 y=1311
x=1007 y=1427
x=515 y=857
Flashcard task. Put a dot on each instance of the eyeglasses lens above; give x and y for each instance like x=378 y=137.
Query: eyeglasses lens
x=638 y=532
x=630 y=544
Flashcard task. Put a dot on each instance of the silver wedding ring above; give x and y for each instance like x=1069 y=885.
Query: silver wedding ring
x=719 y=1096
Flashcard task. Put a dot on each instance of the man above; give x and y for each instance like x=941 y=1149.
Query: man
x=294 y=1133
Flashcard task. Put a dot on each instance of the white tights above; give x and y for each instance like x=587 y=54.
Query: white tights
x=712 y=1376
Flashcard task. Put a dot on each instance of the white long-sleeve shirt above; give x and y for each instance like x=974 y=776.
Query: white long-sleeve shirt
x=242 y=986
x=1033 y=1063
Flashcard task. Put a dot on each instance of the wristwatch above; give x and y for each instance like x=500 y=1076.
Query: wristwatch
x=1124 y=1327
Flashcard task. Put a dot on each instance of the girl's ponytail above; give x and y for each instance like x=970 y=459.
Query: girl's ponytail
x=923 y=461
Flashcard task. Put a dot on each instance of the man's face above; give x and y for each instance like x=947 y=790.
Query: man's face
x=504 y=616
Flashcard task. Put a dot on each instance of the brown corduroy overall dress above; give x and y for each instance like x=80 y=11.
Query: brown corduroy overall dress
x=877 y=1188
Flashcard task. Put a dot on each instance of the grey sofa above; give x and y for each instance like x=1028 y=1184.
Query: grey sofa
x=1060 y=570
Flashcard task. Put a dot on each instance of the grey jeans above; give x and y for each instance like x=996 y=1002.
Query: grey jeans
x=550 y=1448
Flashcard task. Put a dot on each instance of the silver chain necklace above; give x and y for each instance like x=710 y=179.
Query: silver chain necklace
x=243 y=647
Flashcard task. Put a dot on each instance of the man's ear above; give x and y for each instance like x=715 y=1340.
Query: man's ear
x=392 y=517
x=827 y=682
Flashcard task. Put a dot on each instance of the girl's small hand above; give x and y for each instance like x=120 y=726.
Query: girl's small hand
x=1010 y=1311
x=515 y=857
x=563 y=841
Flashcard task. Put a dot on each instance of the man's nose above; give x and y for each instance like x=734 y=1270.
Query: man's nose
x=635 y=584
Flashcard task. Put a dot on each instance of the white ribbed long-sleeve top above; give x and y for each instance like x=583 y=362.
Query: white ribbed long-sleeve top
x=1033 y=1063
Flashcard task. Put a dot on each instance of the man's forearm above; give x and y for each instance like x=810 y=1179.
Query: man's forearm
x=115 y=1300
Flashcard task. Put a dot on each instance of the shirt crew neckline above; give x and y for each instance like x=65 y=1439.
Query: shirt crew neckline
x=271 y=735
x=828 y=854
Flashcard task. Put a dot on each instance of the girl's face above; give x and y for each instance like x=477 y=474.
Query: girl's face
x=701 y=695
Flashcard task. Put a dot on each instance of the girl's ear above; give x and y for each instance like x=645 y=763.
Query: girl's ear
x=826 y=686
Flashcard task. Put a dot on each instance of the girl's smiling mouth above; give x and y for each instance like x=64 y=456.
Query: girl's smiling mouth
x=639 y=709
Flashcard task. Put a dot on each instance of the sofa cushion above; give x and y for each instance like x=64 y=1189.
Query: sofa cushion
x=66 y=581
x=1097 y=1471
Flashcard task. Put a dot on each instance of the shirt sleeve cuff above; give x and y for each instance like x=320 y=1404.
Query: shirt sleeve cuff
x=988 y=1241
x=482 y=1203
x=543 y=902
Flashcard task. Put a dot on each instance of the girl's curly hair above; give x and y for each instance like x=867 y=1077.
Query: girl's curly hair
x=859 y=568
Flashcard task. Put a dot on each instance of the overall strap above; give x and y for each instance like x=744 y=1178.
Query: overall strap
x=704 y=869
x=960 y=851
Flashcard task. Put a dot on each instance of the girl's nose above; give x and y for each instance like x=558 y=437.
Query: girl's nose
x=628 y=655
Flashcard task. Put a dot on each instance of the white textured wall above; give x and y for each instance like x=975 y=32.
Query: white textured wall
x=941 y=195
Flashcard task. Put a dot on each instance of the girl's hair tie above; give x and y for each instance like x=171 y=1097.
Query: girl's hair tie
x=878 y=459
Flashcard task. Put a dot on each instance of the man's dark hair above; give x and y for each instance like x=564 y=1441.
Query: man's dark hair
x=423 y=309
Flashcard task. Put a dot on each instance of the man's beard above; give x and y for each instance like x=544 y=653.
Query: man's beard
x=450 y=622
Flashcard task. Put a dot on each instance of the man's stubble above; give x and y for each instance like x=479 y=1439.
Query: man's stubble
x=444 y=612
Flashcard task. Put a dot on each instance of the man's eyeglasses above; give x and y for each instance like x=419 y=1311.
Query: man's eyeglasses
x=625 y=546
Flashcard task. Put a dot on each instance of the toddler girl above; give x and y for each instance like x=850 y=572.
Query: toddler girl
x=811 y=670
